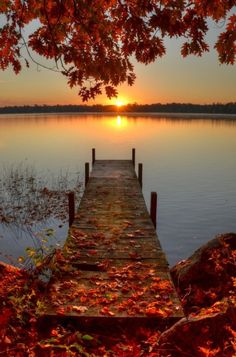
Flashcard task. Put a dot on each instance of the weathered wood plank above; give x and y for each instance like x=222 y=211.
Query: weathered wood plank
x=112 y=264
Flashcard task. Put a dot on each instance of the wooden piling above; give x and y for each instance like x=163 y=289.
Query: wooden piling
x=140 y=174
x=86 y=173
x=153 y=208
x=93 y=156
x=133 y=156
x=71 y=203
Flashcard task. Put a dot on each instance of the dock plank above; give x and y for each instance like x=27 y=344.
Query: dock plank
x=112 y=264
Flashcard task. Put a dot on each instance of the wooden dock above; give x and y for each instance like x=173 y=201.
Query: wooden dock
x=112 y=266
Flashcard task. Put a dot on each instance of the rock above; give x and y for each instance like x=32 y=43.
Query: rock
x=7 y=269
x=212 y=332
x=208 y=275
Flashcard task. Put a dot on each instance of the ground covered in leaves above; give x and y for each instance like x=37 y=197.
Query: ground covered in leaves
x=206 y=284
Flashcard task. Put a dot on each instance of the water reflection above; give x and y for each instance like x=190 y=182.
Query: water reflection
x=121 y=122
x=115 y=123
x=189 y=162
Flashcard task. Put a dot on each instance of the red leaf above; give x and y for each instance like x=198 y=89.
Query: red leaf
x=106 y=311
x=110 y=92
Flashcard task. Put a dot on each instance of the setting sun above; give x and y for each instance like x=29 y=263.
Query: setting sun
x=120 y=102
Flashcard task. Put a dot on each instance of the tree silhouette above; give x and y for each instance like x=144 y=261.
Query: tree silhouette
x=92 y=41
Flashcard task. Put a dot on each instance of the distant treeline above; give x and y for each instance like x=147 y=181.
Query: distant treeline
x=215 y=108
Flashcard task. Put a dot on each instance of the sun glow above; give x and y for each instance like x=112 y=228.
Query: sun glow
x=120 y=102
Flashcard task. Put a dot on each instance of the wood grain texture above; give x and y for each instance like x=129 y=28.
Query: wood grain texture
x=112 y=264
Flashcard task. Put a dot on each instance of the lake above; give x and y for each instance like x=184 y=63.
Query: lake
x=189 y=162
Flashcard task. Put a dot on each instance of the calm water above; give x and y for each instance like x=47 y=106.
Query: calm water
x=190 y=163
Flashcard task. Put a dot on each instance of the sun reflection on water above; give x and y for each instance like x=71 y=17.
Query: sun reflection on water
x=120 y=122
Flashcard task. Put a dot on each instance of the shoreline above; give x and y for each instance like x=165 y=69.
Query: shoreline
x=159 y=115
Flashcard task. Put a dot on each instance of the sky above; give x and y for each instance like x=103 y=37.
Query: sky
x=170 y=79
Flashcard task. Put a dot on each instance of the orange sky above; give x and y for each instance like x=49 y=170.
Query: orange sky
x=170 y=79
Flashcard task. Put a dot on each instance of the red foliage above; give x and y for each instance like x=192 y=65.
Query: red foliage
x=207 y=332
x=209 y=275
x=92 y=41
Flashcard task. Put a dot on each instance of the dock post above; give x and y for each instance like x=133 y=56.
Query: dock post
x=140 y=174
x=71 y=203
x=153 y=208
x=86 y=173
x=133 y=156
x=93 y=156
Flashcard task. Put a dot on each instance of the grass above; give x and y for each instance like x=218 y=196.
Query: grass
x=32 y=204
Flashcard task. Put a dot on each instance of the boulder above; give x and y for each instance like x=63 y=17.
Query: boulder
x=208 y=275
x=211 y=332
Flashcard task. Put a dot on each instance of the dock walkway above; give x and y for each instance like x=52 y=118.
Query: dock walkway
x=112 y=265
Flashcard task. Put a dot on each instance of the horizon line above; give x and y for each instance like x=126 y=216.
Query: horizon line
x=114 y=105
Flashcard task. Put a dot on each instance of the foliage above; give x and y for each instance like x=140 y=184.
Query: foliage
x=209 y=275
x=92 y=42
x=208 y=332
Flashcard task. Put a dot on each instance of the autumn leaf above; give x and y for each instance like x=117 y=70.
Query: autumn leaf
x=134 y=255
x=110 y=92
x=93 y=44
x=60 y=311
x=105 y=311
x=153 y=311
x=6 y=314
x=87 y=338
x=207 y=352
x=79 y=309
x=92 y=252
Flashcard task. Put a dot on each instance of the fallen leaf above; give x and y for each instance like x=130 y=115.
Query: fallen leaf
x=80 y=309
x=106 y=311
